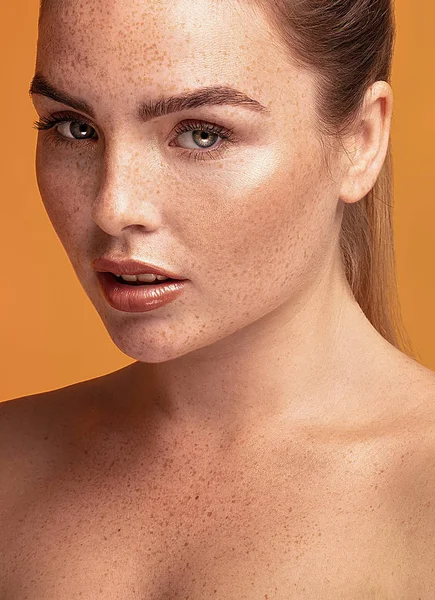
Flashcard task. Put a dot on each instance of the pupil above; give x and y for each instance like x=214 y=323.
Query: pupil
x=81 y=129
x=204 y=136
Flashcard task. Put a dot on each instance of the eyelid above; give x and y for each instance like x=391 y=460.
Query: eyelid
x=66 y=116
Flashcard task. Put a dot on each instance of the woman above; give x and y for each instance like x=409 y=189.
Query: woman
x=274 y=438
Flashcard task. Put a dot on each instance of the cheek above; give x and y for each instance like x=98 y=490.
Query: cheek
x=266 y=219
x=62 y=185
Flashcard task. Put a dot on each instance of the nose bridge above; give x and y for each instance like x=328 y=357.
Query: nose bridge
x=125 y=195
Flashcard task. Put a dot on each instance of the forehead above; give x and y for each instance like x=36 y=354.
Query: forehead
x=131 y=35
x=170 y=43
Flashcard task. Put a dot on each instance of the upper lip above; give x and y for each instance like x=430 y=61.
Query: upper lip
x=128 y=266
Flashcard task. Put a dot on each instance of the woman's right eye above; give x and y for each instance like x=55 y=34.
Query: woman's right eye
x=73 y=129
x=76 y=129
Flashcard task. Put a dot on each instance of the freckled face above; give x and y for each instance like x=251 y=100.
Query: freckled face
x=249 y=221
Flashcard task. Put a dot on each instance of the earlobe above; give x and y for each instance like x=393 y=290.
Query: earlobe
x=352 y=189
x=368 y=146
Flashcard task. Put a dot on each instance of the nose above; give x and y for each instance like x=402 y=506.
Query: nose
x=126 y=195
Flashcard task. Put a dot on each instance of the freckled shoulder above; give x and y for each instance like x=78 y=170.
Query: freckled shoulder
x=412 y=500
x=33 y=429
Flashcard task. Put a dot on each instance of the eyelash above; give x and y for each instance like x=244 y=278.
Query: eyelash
x=46 y=123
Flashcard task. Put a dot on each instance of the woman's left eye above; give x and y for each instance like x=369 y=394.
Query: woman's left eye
x=69 y=131
x=202 y=132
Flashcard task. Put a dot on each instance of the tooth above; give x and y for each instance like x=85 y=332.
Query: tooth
x=129 y=277
x=146 y=277
x=161 y=277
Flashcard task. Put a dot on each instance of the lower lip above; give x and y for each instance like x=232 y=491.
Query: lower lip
x=138 y=298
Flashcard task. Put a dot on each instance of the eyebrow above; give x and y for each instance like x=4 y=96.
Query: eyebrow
x=150 y=109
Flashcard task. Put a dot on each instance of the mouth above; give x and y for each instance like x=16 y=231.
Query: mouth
x=139 y=283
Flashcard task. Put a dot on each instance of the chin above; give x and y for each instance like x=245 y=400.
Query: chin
x=149 y=341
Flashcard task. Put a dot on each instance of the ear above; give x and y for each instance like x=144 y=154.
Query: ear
x=367 y=148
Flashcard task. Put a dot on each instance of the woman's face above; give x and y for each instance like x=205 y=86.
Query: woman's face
x=249 y=221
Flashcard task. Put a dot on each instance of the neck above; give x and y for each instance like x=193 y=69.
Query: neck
x=310 y=361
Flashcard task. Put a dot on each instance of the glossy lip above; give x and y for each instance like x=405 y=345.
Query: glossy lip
x=127 y=266
x=134 y=299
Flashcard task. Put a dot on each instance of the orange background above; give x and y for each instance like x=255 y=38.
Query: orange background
x=51 y=334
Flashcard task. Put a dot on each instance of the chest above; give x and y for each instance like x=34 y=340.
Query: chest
x=195 y=529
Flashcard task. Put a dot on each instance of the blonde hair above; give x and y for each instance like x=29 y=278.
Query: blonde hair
x=348 y=45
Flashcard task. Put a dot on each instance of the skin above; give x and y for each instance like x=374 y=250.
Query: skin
x=263 y=411
x=267 y=331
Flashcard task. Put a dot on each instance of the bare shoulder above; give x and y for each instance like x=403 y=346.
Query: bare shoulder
x=31 y=414
x=411 y=485
x=37 y=430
